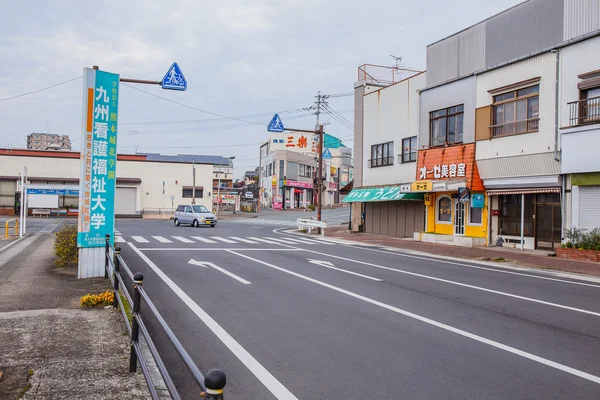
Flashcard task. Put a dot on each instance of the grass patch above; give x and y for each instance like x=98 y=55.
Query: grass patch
x=28 y=386
x=499 y=259
x=126 y=307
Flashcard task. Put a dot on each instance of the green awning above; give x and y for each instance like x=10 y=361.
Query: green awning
x=390 y=193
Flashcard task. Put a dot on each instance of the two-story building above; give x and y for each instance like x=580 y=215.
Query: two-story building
x=386 y=142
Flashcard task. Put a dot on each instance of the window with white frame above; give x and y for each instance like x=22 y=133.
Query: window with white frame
x=444 y=210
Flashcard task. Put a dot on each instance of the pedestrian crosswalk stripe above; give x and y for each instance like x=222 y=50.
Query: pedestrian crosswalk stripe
x=223 y=239
x=139 y=239
x=182 y=239
x=239 y=239
x=304 y=241
x=203 y=239
x=162 y=239
x=284 y=241
x=264 y=240
x=119 y=239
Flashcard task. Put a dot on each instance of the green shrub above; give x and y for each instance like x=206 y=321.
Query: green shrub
x=312 y=207
x=65 y=246
x=583 y=240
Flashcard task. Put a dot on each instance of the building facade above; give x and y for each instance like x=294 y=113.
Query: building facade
x=388 y=138
x=508 y=126
x=288 y=170
x=144 y=184
x=47 y=141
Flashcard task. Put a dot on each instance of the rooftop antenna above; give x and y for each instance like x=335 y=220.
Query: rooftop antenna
x=398 y=61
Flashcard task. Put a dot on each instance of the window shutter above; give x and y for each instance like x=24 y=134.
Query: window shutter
x=589 y=83
x=483 y=120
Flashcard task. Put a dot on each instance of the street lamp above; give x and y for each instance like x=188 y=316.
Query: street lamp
x=219 y=184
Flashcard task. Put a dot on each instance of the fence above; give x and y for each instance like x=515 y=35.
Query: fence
x=583 y=112
x=7 y=226
x=212 y=384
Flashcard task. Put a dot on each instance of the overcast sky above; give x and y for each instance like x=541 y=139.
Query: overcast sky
x=240 y=58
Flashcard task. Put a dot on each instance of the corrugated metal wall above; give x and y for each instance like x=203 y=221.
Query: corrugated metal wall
x=543 y=66
x=452 y=94
x=442 y=61
x=395 y=218
x=580 y=17
x=471 y=45
x=533 y=26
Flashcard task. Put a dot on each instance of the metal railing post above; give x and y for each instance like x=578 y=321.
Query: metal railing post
x=138 y=278
x=106 y=255
x=214 y=381
x=116 y=285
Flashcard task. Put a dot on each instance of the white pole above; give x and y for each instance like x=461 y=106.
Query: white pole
x=522 y=221
x=193 y=182
x=22 y=207
x=219 y=190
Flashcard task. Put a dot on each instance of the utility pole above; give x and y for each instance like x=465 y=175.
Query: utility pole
x=193 y=182
x=318 y=113
x=320 y=177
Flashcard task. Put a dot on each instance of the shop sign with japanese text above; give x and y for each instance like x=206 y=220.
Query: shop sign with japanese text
x=443 y=171
x=297 y=142
x=99 y=158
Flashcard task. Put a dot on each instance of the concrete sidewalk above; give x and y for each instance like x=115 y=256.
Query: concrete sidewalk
x=501 y=255
x=51 y=348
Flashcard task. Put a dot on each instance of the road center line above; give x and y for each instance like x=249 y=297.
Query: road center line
x=432 y=322
x=213 y=249
x=459 y=284
x=261 y=373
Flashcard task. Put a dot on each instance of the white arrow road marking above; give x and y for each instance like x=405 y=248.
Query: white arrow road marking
x=262 y=374
x=207 y=264
x=327 y=264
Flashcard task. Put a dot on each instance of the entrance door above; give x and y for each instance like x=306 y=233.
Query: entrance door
x=459 y=217
x=547 y=226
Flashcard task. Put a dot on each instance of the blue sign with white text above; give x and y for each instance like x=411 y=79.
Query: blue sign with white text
x=326 y=154
x=174 y=79
x=97 y=216
x=275 y=125
x=62 y=192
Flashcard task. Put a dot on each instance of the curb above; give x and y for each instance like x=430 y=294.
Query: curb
x=13 y=243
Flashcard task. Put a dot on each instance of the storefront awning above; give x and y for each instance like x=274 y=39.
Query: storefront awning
x=499 y=192
x=392 y=193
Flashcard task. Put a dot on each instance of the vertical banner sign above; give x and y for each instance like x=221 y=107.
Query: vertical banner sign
x=99 y=159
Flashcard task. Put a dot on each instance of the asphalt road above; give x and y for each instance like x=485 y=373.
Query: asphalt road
x=286 y=317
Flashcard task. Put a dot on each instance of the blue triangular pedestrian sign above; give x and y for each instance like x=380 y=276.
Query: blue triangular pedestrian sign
x=174 y=79
x=275 y=125
x=326 y=154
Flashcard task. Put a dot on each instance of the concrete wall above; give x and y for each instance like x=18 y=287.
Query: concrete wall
x=390 y=115
x=543 y=66
x=452 y=94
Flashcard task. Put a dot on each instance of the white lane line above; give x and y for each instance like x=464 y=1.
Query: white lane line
x=224 y=240
x=263 y=240
x=330 y=266
x=182 y=239
x=215 y=249
x=429 y=321
x=239 y=239
x=261 y=373
x=162 y=239
x=140 y=239
x=502 y=271
x=203 y=239
x=284 y=241
x=119 y=239
x=460 y=284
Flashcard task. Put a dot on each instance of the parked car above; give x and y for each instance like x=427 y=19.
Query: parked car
x=249 y=195
x=194 y=215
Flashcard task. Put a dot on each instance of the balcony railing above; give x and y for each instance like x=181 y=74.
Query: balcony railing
x=584 y=112
x=381 y=162
x=515 y=127
x=382 y=75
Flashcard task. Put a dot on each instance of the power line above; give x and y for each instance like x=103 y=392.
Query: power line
x=328 y=108
x=299 y=110
x=40 y=90
x=193 y=108
x=341 y=121
x=340 y=94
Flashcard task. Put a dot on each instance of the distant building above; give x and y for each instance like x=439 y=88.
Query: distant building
x=250 y=177
x=48 y=141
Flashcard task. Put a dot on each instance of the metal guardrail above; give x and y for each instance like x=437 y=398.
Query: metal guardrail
x=311 y=223
x=584 y=112
x=212 y=384
x=7 y=227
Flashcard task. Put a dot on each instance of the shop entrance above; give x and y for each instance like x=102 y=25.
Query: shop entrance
x=459 y=217
x=548 y=221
